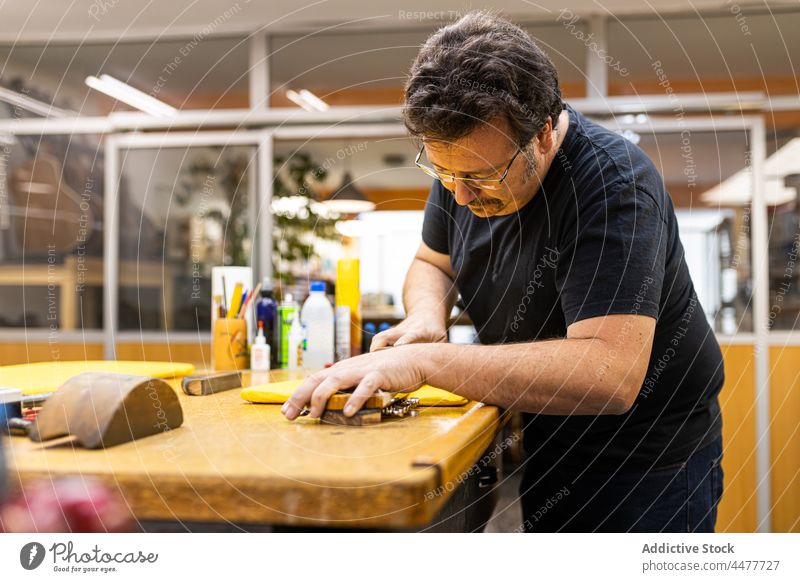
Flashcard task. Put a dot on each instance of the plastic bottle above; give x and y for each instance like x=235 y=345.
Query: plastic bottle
x=267 y=314
x=260 y=351
x=297 y=344
x=317 y=317
x=343 y=348
x=287 y=311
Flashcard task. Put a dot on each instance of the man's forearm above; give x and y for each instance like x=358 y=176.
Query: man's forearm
x=565 y=376
x=428 y=292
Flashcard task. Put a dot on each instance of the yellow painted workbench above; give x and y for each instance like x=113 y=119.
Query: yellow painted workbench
x=240 y=463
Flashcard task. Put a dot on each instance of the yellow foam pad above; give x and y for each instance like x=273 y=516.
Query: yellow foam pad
x=279 y=392
x=43 y=377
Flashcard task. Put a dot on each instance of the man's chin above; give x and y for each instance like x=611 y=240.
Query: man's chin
x=484 y=211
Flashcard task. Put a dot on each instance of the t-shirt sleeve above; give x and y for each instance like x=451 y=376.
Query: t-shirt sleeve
x=612 y=257
x=436 y=221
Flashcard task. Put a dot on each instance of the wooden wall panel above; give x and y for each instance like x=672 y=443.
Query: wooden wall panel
x=24 y=353
x=398 y=199
x=737 y=512
x=785 y=437
x=20 y=353
x=198 y=354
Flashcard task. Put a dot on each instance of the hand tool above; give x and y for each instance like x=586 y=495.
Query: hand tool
x=205 y=384
x=379 y=406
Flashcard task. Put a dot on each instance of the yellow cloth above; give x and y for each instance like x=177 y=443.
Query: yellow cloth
x=279 y=392
x=43 y=377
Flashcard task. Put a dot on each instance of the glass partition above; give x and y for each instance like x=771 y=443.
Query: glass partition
x=782 y=173
x=183 y=210
x=709 y=179
x=51 y=231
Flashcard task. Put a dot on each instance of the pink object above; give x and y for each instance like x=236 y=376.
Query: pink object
x=70 y=504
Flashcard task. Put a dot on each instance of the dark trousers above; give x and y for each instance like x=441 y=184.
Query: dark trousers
x=679 y=498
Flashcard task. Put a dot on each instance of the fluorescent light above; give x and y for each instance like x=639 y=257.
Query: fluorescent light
x=37 y=188
x=130 y=95
x=313 y=100
x=307 y=100
x=294 y=97
x=33 y=105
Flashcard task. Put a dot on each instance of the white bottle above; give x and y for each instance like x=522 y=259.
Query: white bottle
x=259 y=351
x=317 y=317
x=297 y=339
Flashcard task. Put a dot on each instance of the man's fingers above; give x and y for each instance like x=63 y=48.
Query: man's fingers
x=301 y=396
x=408 y=338
x=366 y=388
x=385 y=338
x=330 y=386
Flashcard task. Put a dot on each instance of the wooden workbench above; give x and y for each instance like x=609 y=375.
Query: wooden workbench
x=233 y=462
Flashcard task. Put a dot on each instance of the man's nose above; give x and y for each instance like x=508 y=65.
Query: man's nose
x=463 y=193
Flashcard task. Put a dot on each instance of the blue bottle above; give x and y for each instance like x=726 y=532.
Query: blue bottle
x=366 y=337
x=267 y=314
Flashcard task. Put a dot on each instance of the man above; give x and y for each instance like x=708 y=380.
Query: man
x=563 y=244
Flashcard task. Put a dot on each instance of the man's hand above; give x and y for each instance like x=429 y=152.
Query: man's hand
x=395 y=370
x=412 y=330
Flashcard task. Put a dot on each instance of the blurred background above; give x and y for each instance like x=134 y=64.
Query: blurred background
x=142 y=144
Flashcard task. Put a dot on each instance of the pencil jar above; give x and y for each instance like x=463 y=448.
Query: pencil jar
x=230 y=344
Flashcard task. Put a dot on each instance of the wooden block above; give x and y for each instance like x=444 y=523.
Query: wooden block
x=378 y=400
x=361 y=418
x=204 y=385
x=104 y=409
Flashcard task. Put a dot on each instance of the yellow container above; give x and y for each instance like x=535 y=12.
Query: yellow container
x=348 y=294
x=230 y=344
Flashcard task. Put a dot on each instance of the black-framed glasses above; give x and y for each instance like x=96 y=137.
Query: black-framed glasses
x=479 y=183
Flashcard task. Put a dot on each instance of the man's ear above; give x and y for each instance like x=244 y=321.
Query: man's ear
x=545 y=137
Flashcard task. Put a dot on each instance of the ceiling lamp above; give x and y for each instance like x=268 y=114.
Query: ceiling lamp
x=307 y=100
x=348 y=199
x=33 y=105
x=130 y=95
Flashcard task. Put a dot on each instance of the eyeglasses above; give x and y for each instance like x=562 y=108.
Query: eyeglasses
x=478 y=183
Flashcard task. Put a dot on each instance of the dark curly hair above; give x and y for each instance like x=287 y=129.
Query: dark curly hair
x=475 y=69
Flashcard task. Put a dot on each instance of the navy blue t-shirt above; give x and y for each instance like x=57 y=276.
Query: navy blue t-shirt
x=599 y=238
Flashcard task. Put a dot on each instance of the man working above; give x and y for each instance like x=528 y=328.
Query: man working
x=563 y=243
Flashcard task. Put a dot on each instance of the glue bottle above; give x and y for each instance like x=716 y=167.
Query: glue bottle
x=259 y=351
x=287 y=311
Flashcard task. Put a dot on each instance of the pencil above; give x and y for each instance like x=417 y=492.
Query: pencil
x=246 y=304
x=224 y=297
x=236 y=301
